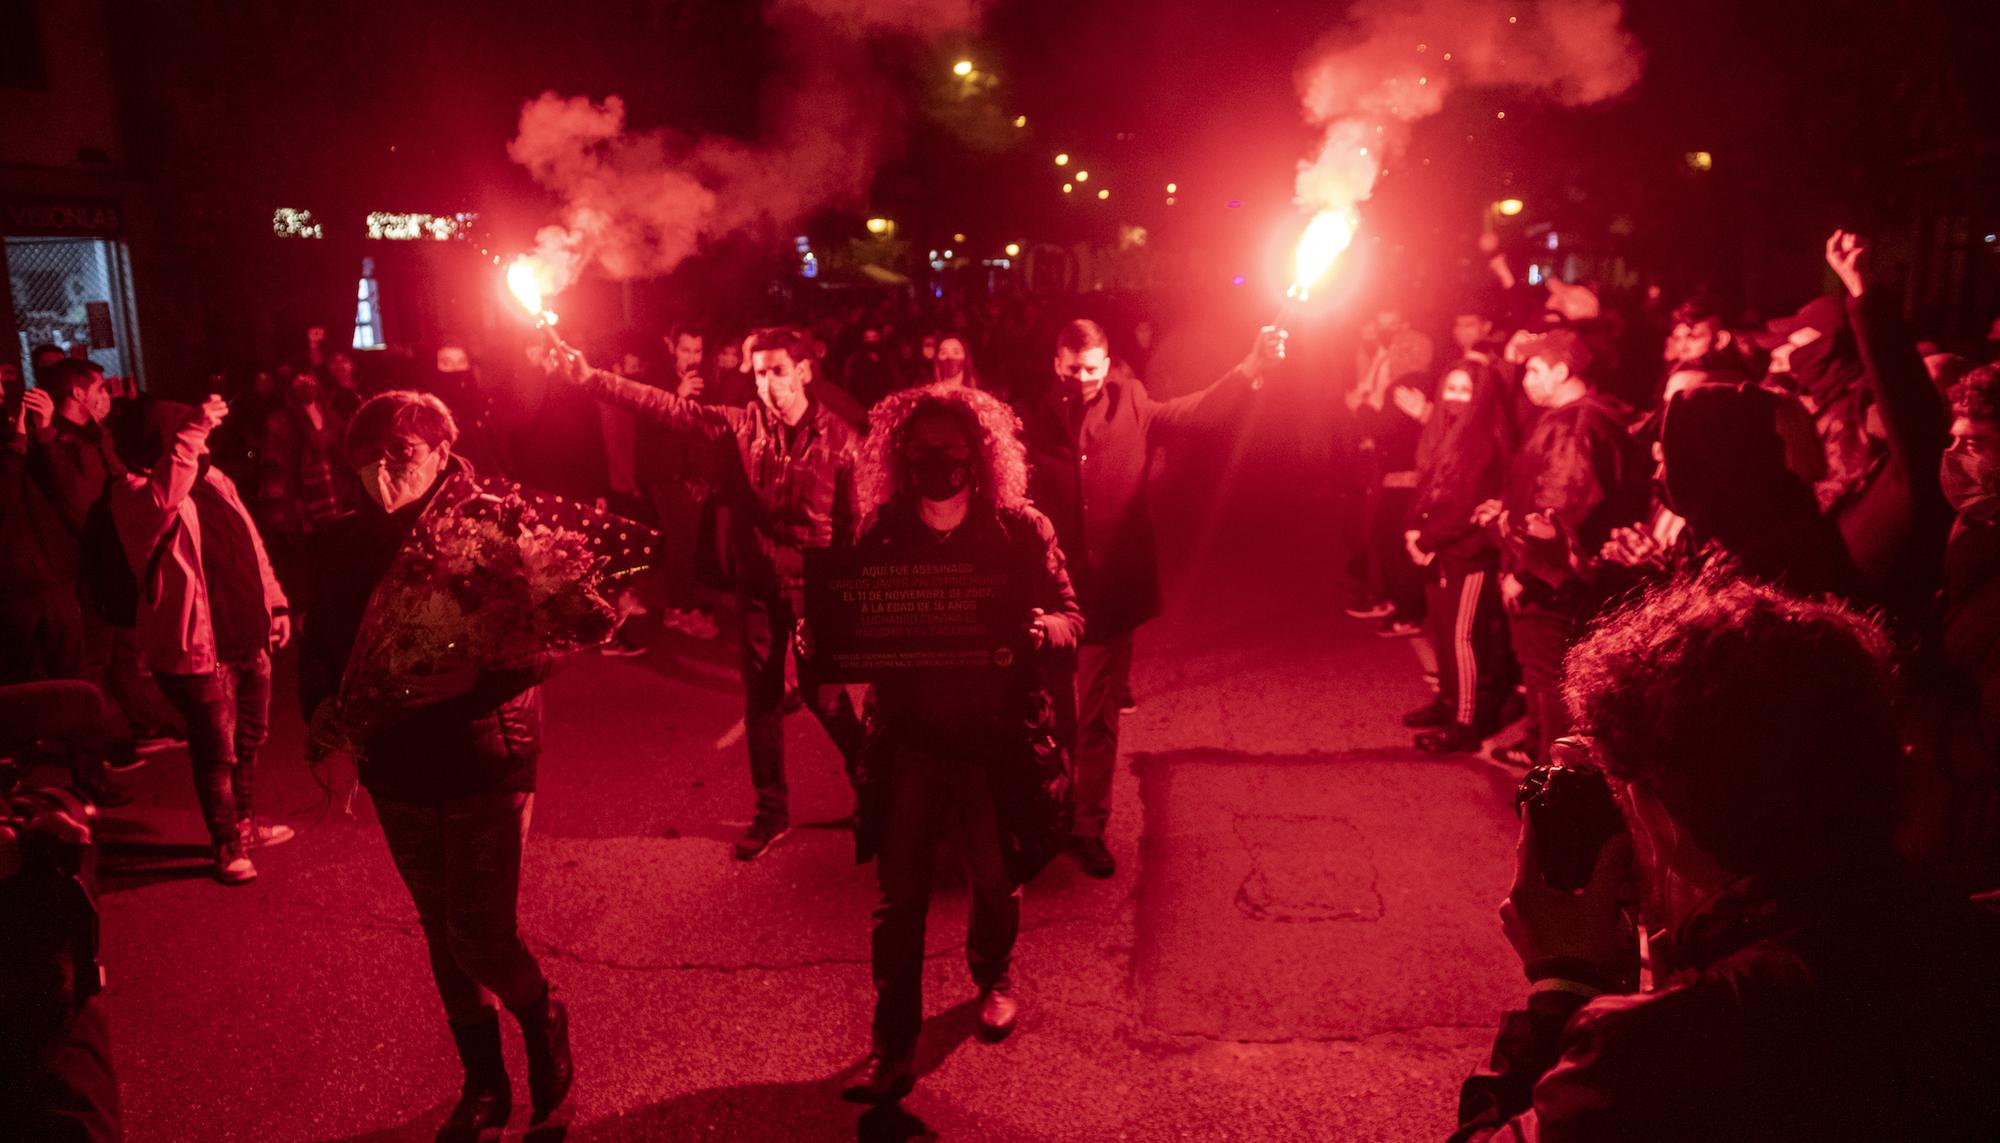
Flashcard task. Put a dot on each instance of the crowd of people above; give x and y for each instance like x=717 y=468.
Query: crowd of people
x=1753 y=578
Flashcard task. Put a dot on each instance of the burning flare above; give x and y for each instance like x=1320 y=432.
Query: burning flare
x=1327 y=235
x=524 y=280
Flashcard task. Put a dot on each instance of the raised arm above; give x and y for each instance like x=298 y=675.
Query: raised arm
x=1222 y=403
x=1913 y=419
x=655 y=406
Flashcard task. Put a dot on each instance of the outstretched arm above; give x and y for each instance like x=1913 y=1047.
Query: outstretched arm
x=1222 y=403
x=655 y=406
x=1913 y=419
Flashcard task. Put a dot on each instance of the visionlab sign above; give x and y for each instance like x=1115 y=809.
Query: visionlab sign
x=60 y=218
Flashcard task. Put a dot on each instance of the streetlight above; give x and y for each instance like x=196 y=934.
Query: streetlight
x=880 y=226
x=1020 y=121
x=1103 y=194
x=1013 y=250
x=1068 y=187
x=1083 y=176
x=962 y=68
x=1062 y=160
x=1173 y=188
x=1510 y=206
x=958 y=238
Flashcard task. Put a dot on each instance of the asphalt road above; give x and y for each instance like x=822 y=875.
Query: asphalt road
x=1300 y=942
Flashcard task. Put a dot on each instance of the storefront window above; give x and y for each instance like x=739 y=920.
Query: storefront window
x=76 y=294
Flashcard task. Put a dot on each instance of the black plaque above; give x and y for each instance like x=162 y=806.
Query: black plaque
x=875 y=615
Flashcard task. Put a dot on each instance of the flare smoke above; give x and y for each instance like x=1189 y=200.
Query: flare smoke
x=1395 y=63
x=640 y=202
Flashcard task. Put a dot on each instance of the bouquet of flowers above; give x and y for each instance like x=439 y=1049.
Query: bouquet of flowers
x=491 y=577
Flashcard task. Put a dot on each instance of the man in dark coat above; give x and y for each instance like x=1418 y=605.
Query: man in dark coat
x=1091 y=440
x=1576 y=477
x=787 y=472
x=1808 y=986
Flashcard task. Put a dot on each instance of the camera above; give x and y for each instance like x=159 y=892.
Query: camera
x=45 y=894
x=1569 y=803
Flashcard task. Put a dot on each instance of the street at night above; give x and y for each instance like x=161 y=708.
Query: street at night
x=1300 y=942
x=1000 y=571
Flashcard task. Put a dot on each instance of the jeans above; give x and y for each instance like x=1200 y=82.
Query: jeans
x=1103 y=679
x=768 y=621
x=227 y=712
x=461 y=860
x=930 y=795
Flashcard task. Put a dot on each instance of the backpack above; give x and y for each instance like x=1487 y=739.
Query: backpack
x=107 y=577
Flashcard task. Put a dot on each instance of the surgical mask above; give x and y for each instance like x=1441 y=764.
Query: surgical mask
x=393 y=491
x=1971 y=492
x=938 y=475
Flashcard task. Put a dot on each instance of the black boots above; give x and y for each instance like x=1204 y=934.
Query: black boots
x=545 y=1035
x=486 y=1100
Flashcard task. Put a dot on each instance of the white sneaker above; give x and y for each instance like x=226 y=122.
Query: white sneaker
x=232 y=863
x=257 y=832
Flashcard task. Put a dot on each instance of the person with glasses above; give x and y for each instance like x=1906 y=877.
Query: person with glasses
x=453 y=782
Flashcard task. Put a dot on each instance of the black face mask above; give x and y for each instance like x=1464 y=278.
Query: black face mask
x=938 y=475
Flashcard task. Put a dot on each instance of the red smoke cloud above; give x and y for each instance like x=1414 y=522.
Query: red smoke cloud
x=1396 y=62
x=640 y=202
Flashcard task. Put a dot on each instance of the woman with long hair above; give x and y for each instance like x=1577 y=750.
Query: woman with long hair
x=943 y=478
x=953 y=363
x=1462 y=458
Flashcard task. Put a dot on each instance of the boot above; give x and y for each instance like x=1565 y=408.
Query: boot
x=486 y=1099
x=545 y=1033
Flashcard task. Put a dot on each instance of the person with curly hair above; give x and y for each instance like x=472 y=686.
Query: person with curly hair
x=942 y=477
x=1807 y=983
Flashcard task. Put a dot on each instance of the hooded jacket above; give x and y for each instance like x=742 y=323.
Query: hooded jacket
x=176 y=634
x=1580 y=466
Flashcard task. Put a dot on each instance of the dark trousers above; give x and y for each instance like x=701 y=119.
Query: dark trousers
x=228 y=712
x=111 y=663
x=461 y=860
x=1466 y=628
x=1402 y=580
x=1103 y=679
x=1540 y=636
x=677 y=512
x=41 y=635
x=768 y=621
x=929 y=796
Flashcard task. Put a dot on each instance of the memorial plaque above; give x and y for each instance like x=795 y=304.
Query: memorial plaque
x=873 y=615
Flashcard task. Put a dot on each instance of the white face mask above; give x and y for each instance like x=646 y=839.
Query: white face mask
x=393 y=490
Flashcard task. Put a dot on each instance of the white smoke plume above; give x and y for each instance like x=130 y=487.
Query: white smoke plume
x=639 y=202
x=1396 y=61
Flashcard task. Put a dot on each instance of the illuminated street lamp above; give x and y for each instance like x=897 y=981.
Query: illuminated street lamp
x=881 y=226
x=1510 y=206
x=1020 y=121
x=1068 y=187
x=1103 y=194
x=1062 y=160
x=1173 y=188
x=1083 y=176
x=962 y=68
x=1013 y=250
x=1700 y=161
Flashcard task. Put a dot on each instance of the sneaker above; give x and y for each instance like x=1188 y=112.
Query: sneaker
x=258 y=833
x=232 y=863
x=997 y=1011
x=123 y=757
x=1519 y=754
x=1127 y=705
x=1093 y=857
x=154 y=743
x=697 y=624
x=763 y=833
x=1454 y=738
x=1432 y=713
x=622 y=647
x=1394 y=628
x=1369 y=610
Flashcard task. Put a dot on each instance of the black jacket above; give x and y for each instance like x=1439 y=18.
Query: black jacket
x=1087 y=473
x=780 y=502
x=1579 y=465
x=37 y=551
x=486 y=740
x=1003 y=718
